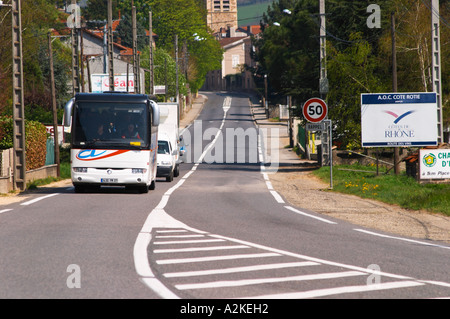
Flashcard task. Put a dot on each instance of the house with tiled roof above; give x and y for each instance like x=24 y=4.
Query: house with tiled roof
x=233 y=75
x=93 y=50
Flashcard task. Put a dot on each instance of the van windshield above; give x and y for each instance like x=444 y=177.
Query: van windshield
x=110 y=125
x=163 y=147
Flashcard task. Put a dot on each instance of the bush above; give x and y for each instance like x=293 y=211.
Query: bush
x=35 y=141
x=6 y=132
x=36 y=144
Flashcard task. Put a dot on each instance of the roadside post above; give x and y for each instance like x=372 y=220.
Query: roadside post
x=315 y=111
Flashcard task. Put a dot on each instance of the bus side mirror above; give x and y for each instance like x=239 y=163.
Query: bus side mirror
x=67 y=120
x=155 y=113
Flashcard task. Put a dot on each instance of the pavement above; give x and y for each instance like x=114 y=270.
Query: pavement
x=191 y=115
x=292 y=178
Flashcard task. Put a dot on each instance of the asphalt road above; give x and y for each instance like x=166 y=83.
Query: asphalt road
x=217 y=231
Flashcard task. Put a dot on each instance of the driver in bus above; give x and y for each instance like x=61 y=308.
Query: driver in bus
x=131 y=132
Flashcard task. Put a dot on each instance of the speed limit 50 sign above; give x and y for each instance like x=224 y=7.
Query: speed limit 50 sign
x=315 y=110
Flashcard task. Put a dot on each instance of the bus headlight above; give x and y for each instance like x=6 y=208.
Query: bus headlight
x=138 y=170
x=80 y=169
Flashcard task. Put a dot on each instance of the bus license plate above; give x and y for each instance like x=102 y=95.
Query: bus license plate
x=109 y=180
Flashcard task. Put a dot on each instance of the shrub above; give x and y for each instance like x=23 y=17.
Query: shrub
x=35 y=141
x=36 y=144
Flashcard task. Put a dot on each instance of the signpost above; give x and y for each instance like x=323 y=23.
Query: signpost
x=314 y=127
x=315 y=111
x=398 y=119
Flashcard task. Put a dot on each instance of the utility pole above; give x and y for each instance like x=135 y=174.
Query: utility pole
x=323 y=81
x=323 y=85
x=176 y=70
x=81 y=61
x=166 y=87
x=394 y=86
x=110 y=47
x=291 y=137
x=18 y=102
x=150 y=30
x=75 y=54
x=55 y=114
x=105 y=49
x=436 y=65
x=136 y=69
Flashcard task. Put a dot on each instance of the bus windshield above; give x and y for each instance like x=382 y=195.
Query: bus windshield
x=110 y=125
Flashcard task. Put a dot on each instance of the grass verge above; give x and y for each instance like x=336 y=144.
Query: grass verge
x=64 y=174
x=399 y=190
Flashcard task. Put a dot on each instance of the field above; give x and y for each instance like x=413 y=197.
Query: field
x=252 y=14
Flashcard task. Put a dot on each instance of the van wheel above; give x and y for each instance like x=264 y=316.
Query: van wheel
x=170 y=177
x=152 y=185
x=176 y=172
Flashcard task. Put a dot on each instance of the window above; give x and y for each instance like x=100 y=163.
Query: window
x=235 y=60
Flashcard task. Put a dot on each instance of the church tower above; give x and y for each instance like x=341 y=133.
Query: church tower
x=221 y=14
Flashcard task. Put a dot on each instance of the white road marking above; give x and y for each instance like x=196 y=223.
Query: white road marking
x=174 y=242
x=192 y=249
x=309 y=215
x=259 y=281
x=38 y=199
x=400 y=238
x=215 y=258
x=239 y=269
x=277 y=197
x=179 y=236
x=339 y=290
x=5 y=210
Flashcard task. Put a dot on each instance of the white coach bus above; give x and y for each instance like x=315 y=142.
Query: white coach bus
x=114 y=140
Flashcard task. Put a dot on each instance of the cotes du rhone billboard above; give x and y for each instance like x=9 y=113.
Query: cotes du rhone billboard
x=398 y=119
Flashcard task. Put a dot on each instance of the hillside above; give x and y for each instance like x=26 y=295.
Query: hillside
x=251 y=11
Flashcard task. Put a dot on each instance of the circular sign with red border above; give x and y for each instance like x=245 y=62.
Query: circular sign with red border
x=315 y=110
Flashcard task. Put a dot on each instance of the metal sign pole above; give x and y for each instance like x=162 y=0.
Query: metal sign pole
x=331 y=153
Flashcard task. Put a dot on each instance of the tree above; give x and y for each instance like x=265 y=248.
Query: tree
x=34 y=37
x=288 y=52
x=124 y=32
x=164 y=71
x=358 y=57
x=97 y=10
x=351 y=72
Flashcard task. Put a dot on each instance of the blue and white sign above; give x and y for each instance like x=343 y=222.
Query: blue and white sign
x=398 y=119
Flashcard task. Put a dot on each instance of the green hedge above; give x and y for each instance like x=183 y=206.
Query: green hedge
x=35 y=140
